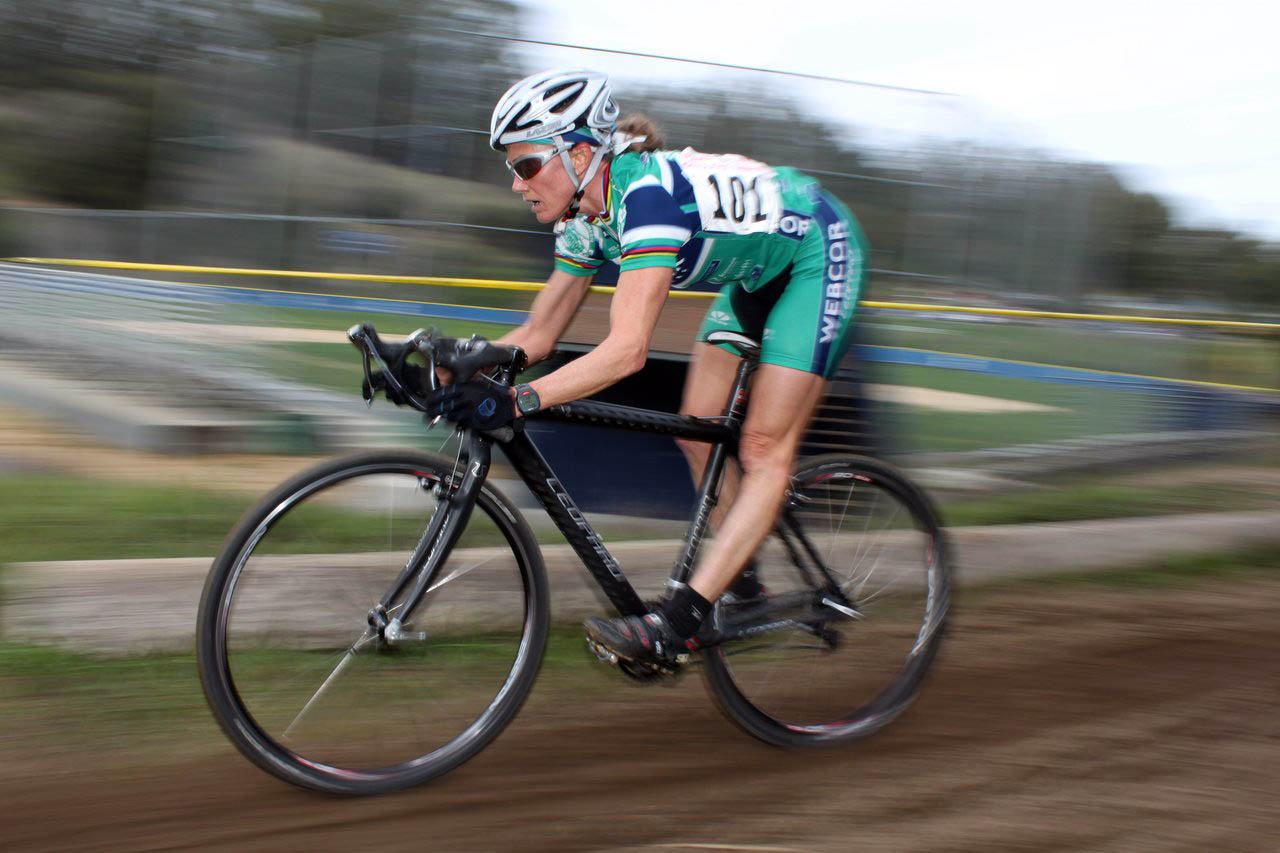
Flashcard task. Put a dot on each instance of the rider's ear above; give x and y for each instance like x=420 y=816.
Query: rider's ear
x=581 y=156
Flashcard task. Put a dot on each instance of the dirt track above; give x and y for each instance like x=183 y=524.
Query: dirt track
x=1060 y=717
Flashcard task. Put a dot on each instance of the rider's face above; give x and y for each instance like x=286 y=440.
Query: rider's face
x=549 y=192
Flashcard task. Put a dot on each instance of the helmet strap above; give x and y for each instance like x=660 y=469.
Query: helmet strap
x=597 y=160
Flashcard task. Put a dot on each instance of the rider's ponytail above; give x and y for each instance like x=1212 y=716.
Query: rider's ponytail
x=639 y=124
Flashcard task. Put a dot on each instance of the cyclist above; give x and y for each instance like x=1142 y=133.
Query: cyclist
x=787 y=257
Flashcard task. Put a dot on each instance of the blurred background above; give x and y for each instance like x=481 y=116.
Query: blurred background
x=195 y=156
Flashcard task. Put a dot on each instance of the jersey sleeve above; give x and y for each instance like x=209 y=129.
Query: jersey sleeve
x=652 y=225
x=578 y=250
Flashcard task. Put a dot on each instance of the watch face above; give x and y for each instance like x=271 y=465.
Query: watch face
x=527 y=399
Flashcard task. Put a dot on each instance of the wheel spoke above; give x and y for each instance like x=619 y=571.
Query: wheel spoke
x=457 y=573
x=835 y=534
x=337 y=670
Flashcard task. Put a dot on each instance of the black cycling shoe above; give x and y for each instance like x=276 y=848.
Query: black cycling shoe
x=644 y=641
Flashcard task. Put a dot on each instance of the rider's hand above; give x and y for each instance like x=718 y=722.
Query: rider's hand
x=483 y=405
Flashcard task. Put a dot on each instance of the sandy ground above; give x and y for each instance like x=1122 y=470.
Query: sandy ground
x=31 y=443
x=1058 y=718
x=952 y=401
x=225 y=333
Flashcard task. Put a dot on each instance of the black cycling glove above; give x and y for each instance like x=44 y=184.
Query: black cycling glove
x=483 y=405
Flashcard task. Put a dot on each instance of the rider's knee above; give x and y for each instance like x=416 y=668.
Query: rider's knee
x=762 y=453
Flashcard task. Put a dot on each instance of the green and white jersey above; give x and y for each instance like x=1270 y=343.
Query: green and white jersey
x=715 y=219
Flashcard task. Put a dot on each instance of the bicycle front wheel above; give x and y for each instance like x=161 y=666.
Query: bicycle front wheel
x=854 y=665
x=300 y=681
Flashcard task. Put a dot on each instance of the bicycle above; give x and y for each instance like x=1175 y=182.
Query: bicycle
x=364 y=629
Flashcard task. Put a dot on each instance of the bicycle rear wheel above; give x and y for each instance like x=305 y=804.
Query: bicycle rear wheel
x=300 y=682
x=853 y=668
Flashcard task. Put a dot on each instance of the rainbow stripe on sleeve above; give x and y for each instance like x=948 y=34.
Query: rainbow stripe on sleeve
x=576 y=263
x=648 y=256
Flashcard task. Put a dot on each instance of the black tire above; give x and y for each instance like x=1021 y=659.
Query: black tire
x=791 y=688
x=291 y=590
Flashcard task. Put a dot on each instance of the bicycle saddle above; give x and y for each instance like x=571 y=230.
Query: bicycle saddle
x=745 y=346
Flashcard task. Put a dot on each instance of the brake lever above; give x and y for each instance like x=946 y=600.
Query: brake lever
x=357 y=336
x=366 y=387
x=424 y=342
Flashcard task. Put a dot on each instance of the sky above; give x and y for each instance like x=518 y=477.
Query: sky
x=1183 y=98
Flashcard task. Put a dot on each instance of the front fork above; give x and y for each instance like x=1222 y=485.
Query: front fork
x=457 y=500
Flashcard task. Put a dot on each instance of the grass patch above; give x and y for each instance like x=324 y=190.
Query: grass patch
x=78 y=519
x=55 y=699
x=60 y=517
x=1082 y=501
x=60 y=702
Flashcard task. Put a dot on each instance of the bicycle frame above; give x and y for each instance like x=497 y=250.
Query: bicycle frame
x=722 y=433
x=536 y=473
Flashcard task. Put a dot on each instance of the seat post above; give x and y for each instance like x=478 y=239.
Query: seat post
x=749 y=349
x=736 y=406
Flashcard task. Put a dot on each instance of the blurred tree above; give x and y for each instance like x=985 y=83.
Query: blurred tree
x=10 y=244
x=80 y=76
x=1143 y=263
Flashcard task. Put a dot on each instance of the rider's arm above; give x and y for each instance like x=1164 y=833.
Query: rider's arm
x=633 y=315
x=553 y=309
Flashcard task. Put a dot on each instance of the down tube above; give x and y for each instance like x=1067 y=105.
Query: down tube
x=541 y=480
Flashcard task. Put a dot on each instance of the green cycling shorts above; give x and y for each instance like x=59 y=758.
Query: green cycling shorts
x=802 y=318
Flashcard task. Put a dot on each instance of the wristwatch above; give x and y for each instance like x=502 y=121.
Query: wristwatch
x=527 y=399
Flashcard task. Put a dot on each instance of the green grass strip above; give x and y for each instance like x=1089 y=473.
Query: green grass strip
x=1080 y=502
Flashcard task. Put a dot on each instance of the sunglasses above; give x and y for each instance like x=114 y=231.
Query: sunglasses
x=527 y=166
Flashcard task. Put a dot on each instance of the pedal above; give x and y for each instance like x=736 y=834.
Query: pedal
x=641 y=671
x=648 y=673
x=602 y=654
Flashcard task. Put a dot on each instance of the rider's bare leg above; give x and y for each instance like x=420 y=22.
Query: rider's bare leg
x=706 y=392
x=783 y=401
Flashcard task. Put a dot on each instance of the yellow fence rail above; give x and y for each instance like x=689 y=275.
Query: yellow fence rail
x=492 y=284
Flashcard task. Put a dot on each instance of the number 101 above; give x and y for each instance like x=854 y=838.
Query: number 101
x=738 y=193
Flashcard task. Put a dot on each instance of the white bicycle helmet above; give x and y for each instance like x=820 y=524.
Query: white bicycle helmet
x=560 y=108
x=551 y=104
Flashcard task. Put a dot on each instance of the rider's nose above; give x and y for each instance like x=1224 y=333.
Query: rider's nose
x=517 y=185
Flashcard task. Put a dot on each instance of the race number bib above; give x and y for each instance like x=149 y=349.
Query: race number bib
x=734 y=193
